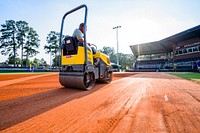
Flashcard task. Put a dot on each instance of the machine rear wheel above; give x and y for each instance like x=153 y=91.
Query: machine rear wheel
x=89 y=80
x=109 y=77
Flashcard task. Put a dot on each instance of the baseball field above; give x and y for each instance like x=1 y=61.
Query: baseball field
x=132 y=102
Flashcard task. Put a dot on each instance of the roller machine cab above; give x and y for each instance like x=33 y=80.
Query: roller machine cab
x=81 y=65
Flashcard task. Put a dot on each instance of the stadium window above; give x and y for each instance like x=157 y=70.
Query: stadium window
x=199 y=48
x=176 y=52
x=184 y=51
x=180 y=51
x=195 y=49
x=190 y=50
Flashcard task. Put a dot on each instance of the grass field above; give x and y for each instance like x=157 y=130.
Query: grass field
x=188 y=75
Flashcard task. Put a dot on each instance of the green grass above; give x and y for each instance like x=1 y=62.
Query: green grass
x=188 y=75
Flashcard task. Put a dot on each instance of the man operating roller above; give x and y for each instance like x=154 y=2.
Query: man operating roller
x=78 y=34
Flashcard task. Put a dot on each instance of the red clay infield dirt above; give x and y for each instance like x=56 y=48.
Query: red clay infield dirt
x=133 y=102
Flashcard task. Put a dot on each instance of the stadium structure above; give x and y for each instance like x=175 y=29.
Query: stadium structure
x=179 y=52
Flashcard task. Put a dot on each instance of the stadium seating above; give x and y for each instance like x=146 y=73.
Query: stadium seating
x=166 y=65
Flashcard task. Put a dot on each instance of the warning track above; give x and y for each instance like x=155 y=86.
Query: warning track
x=133 y=102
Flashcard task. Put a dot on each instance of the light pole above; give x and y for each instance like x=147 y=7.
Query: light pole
x=117 y=42
x=50 y=58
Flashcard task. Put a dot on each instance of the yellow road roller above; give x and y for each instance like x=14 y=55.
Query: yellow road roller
x=82 y=65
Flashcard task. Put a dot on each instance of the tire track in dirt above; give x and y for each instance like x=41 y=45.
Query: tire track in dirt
x=179 y=114
x=117 y=105
x=147 y=115
x=182 y=110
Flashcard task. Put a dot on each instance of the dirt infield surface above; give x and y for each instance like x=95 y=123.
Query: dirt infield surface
x=133 y=102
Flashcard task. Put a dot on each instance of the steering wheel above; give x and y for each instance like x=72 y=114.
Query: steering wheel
x=95 y=46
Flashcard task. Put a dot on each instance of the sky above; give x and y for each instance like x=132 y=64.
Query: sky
x=141 y=21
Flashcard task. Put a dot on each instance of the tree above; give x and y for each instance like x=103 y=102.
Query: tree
x=107 y=50
x=39 y=63
x=125 y=60
x=42 y=62
x=56 y=61
x=110 y=52
x=8 y=39
x=26 y=62
x=15 y=35
x=22 y=32
x=35 y=62
x=11 y=60
x=52 y=45
x=31 y=44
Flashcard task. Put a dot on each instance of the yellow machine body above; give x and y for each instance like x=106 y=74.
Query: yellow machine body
x=81 y=65
x=77 y=73
x=103 y=57
x=78 y=58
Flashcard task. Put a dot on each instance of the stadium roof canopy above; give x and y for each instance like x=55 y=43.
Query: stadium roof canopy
x=164 y=45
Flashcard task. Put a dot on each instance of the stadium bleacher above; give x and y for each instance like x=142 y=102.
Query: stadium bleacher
x=181 y=50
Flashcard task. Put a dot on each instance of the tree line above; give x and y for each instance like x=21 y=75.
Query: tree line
x=125 y=60
x=18 y=35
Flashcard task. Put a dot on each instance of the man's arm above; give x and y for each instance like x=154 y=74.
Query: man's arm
x=80 y=40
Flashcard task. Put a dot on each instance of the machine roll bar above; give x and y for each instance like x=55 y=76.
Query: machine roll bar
x=62 y=26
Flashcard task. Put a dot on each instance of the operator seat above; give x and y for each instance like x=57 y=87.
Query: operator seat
x=69 y=46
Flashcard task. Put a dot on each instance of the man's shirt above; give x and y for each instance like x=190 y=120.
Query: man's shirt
x=78 y=34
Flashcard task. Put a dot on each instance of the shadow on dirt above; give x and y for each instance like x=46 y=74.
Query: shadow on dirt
x=21 y=109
